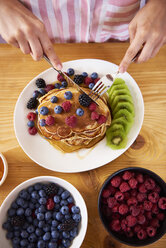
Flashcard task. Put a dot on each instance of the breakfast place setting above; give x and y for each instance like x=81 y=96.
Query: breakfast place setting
x=82 y=150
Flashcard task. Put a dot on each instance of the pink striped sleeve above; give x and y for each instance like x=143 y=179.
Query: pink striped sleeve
x=122 y=3
x=71 y=15
x=122 y=15
x=84 y=20
x=58 y=16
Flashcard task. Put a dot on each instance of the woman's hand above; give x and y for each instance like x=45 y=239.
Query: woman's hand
x=20 y=28
x=147 y=29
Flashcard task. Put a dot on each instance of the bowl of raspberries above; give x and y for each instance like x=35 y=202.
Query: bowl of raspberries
x=43 y=212
x=132 y=206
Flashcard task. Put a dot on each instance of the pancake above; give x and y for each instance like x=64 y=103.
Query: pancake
x=86 y=131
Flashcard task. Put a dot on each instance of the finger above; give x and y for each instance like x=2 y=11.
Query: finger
x=50 y=52
x=132 y=31
x=24 y=45
x=36 y=48
x=146 y=52
x=156 y=49
x=130 y=53
x=15 y=44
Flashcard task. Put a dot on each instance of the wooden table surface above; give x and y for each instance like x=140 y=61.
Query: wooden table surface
x=148 y=151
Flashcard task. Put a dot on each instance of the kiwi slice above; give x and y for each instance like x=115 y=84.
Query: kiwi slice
x=122 y=121
x=116 y=127
x=124 y=105
x=121 y=98
x=118 y=81
x=117 y=87
x=118 y=93
x=116 y=140
x=124 y=113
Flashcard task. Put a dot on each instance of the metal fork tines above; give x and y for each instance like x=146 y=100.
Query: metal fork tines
x=101 y=87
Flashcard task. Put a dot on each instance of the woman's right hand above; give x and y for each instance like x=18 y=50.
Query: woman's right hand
x=20 y=28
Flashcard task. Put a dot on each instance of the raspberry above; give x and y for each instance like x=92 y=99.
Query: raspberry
x=160 y=216
x=140 y=178
x=71 y=121
x=32 y=103
x=162 y=203
x=104 y=200
x=141 y=197
x=133 y=183
x=148 y=205
x=134 y=192
x=131 y=220
x=154 y=222
x=115 y=181
x=157 y=189
x=60 y=77
x=88 y=80
x=49 y=87
x=123 y=224
x=70 y=205
x=148 y=215
x=119 y=196
x=78 y=79
x=124 y=187
x=96 y=80
x=151 y=231
x=92 y=106
x=40 y=82
x=102 y=119
x=111 y=202
x=155 y=209
x=106 y=193
x=31 y=116
x=137 y=228
x=50 y=120
x=141 y=219
x=149 y=184
x=123 y=209
x=94 y=116
x=115 y=209
x=135 y=211
x=126 y=196
x=132 y=201
x=141 y=206
x=115 y=225
x=112 y=189
x=142 y=188
x=129 y=233
x=115 y=216
x=84 y=100
x=32 y=130
x=66 y=106
x=50 y=204
x=127 y=175
x=141 y=234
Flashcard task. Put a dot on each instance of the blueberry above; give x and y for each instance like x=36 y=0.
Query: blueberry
x=42 y=122
x=36 y=111
x=42 y=209
x=38 y=186
x=44 y=110
x=29 y=219
x=28 y=212
x=25 y=205
x=91 y=85
x=42 y=193
x=55 y=234
x=48 y=215
x=54 y=223
x=63 y=203
x=57 y=206
x=30 y=229
x=24 y=243
x=6 y=225
x=42 y=200
x=20 y=201
x=57 y=199
x=52 y=244
x=59 y=216
x=54 y=99
x=84 y=74
x=31 y=245
x=64 y=210
x=32 y=238
x=35 y=195
x=20 y=211
x=42 y=92
x=66 y=242
x=35 y=222
x=24 y=234
x=39 y=232
x=14 y=205
x=31 y=205
x=58 y=109
x=94 y=75
x=36 y=93
x=75 y=210
x=79 y=111
x=16 y=241
x=46 y=236
x=30 y=189
x=46 y=228
x=36 y=211
x=37 y=205
x=60 y=191
x=74 y=232
x=25 y=226
x=76 y=217
x=70 y=199
x=24 y=194
x=57 y=86
x=67 y=216
x=40 y=216
x=65 y=194
x=9 y=235
x=68 y=95
x=17 y=234
x=11 y=212
x=64 y=84
x=41 y=244
x=41 y=224
x=70 y=71
x=66 y=234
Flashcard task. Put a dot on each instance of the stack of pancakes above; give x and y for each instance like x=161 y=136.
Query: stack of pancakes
x=85 y=134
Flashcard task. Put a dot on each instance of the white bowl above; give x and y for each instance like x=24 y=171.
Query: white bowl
x=5 y=165
x=44 y=179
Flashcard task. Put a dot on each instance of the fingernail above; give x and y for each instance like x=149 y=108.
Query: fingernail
x=122 y=69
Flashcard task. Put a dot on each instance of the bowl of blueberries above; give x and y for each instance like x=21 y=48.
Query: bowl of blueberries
x=43 y=212
x=132 y=206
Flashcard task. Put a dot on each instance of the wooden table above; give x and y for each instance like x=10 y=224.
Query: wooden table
x=149 y=150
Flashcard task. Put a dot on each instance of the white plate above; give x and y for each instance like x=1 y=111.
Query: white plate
x=79 y=201
x=40 y=151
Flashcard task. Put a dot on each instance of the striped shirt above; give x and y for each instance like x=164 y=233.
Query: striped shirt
x=85 y=20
